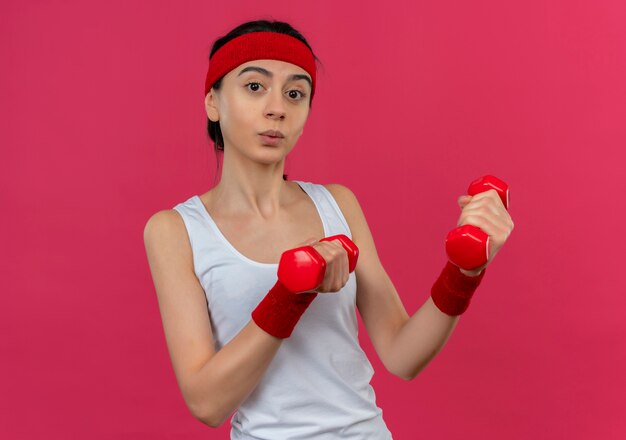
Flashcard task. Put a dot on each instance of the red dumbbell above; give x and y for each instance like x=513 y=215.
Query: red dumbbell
x=468 y=246
x=302 y=269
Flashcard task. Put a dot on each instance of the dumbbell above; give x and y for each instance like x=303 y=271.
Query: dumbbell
x=468 y=246
x=302 y=269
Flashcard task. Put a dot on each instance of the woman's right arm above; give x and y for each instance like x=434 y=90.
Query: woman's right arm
x=213 y=384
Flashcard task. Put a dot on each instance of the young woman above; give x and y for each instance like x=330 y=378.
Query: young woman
x=289 y=363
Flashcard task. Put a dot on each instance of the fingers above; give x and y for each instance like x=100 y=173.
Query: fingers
x=485 y=205
x=486 y=211
x=337 y=271
x=491 y=194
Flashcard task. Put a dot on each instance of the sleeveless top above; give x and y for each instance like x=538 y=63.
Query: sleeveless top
x=318 y=384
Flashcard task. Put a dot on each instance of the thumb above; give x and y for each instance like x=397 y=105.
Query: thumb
x=464 y=200
x=308 y=241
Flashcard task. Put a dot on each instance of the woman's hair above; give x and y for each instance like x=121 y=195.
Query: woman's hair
x=213 y=128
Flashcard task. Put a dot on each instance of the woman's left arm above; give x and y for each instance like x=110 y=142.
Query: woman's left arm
x=404 y=344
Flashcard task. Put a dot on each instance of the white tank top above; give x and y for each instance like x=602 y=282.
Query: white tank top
x=318 y=384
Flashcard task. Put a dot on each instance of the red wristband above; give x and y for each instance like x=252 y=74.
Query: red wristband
x=279 y=312
x=453 y=290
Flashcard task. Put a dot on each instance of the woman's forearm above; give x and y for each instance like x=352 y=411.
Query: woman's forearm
x=229 y=377
x=419 y=340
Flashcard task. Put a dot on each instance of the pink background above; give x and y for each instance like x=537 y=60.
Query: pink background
x=102 y=125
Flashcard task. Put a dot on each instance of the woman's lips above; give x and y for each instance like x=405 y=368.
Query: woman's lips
x=270 y=140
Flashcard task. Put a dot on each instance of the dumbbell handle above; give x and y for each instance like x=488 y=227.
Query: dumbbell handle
x=468 y=246
x=302 y=269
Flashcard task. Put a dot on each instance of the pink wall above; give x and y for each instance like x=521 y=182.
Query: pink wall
x=103 y=125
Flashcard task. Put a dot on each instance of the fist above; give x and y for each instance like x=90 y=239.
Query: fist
x=337 y=264
x=486 y=211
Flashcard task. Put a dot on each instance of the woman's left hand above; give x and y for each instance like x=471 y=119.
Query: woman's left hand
x=486 y=211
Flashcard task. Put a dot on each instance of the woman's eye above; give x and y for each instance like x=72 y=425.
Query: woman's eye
x=254 y=86
x=296 y=94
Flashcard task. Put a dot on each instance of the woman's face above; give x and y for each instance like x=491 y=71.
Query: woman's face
x=257 y=96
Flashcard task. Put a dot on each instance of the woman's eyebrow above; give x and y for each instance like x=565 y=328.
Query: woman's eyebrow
x=261 y=70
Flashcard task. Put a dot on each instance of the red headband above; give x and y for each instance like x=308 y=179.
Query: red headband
x=259 y=46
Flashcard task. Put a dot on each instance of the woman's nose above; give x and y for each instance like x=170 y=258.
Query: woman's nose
x=275 y=107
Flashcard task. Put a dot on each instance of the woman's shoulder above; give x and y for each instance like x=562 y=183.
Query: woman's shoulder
x=336 y=189
x=342 y=194
x=164 y=223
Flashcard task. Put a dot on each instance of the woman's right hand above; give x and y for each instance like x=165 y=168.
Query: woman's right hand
x=337 y=270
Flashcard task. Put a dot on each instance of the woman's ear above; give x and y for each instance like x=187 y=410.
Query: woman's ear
x=210 y=106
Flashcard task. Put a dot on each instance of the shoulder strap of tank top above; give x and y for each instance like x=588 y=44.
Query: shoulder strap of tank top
x=328 y=207
x=201 y=234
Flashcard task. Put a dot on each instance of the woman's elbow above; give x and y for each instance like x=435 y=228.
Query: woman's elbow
x=211 y=420
x=406 y=374
x=398 y=372
x=200 y=413
x=212 y=424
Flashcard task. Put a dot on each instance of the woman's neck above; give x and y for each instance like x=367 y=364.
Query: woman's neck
x=251 y=188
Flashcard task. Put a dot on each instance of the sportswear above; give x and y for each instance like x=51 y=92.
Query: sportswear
x=318 y=384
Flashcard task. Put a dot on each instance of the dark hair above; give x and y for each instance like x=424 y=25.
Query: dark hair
x=213 y=128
